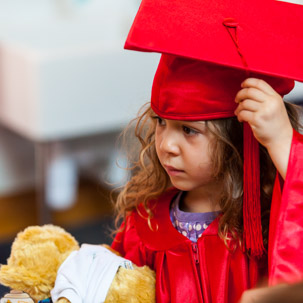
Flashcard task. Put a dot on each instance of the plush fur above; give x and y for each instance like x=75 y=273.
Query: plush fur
x=37 y=254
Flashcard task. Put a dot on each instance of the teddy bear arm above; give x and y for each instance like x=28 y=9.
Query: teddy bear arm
x=137 y=285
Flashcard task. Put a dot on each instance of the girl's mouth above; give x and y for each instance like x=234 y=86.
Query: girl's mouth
x=172 y=171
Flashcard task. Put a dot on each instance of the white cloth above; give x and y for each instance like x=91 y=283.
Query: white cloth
x=86 y=275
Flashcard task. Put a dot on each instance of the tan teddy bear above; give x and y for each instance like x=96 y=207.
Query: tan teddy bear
x=37 y=254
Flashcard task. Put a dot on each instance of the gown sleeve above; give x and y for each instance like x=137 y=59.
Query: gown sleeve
x=285 y=250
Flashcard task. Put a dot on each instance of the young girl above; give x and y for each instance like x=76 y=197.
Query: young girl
x=182 y=208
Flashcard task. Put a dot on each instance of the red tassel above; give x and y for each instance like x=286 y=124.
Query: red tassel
x=252 y=233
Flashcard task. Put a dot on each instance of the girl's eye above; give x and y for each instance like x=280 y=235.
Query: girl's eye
x=160 y=121
x=189 y=131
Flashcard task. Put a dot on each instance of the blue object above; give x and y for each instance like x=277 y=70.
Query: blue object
x=48 y=300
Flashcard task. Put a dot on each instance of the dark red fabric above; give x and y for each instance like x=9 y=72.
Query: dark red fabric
x=286 y=221
x=267 y=33
x=221 y=275
x=186 y=89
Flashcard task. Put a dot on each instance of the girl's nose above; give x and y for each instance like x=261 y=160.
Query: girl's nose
x=170 y=143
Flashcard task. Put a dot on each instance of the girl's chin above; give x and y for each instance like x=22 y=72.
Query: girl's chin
x=181 y=186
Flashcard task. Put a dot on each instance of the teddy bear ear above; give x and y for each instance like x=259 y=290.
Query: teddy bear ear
x=22 y=279
x=14 y=279
x=9 y=277
x=17 y=279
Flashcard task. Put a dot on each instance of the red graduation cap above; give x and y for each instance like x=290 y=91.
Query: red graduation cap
x=268 y=33
x=211 y=47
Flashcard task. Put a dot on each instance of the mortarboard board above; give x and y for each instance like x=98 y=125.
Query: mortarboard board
x=227 y=38
x=268 y=33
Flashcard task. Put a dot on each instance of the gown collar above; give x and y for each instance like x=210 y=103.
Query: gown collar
x=163 y=234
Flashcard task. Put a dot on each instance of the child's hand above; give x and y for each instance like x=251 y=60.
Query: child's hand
x=275 y=294
x=255 y=295
x=263 y=108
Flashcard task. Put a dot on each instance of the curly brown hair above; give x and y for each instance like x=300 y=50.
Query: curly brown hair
x=149 y=180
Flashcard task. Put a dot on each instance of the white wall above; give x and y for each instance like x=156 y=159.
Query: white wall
x=79 y=20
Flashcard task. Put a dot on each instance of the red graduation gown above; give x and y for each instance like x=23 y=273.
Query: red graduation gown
x=285 y=251
x=186 y=272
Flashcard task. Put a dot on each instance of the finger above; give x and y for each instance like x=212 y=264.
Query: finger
x=247 y=104
x=259 y=84
x=251 y=93
x=245 y=116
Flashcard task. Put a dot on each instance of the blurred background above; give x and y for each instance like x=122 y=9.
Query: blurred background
x=67 y=89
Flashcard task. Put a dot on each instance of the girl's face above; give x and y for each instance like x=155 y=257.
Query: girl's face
x=184 y=151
